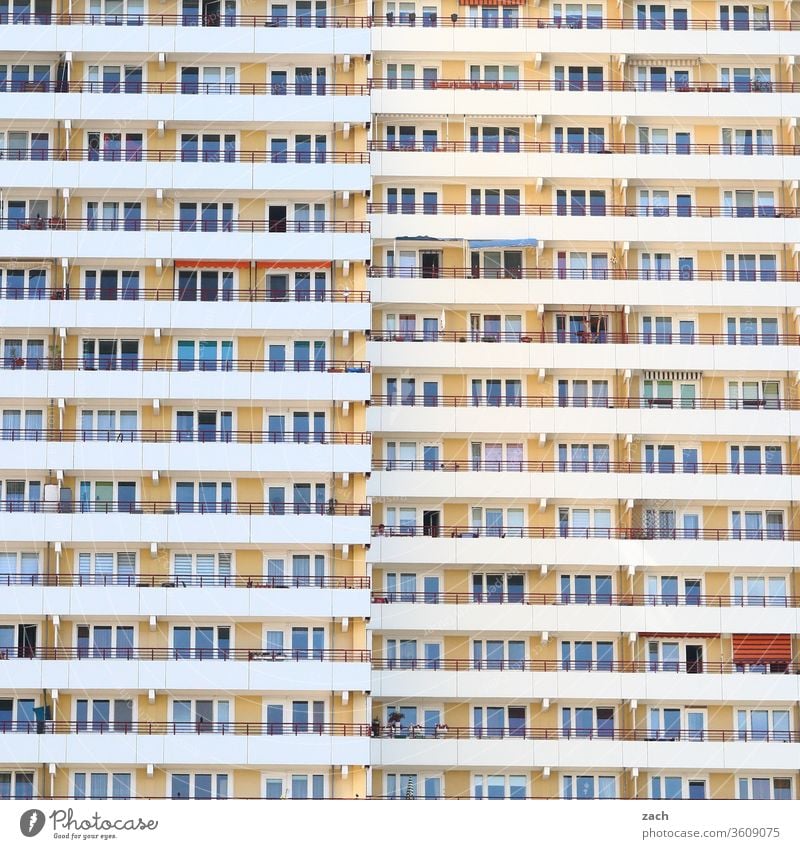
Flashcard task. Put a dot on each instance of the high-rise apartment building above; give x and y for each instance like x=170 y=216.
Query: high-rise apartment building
x=399 y=401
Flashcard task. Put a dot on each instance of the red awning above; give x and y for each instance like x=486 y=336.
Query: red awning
x=293 y=263
x=762 y=648
x=211 y=263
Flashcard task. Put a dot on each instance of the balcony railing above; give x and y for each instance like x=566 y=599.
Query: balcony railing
x=198 y=293
x=235 y=508
x=657 y=337
x=583 y=402
x=583 y=210
x=132 y=362
x=299 y=89
x=154 y=654
x=166 y=225
x=572 y=598
x=622 y=666
x=585 y=466
x=335 y=729
x=572 y=532
x=239 y=437
x=526 y=732
x=255 y=582
x=249 y=157
x=544 y=273
x=639 y=148
x=187 y=19
x=590 y=85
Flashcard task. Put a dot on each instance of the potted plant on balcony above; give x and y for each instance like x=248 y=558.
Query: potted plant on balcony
x=55 y=359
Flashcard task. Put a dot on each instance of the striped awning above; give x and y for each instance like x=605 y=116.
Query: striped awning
x=491 y=2
x=762 y=648
x=211 y=263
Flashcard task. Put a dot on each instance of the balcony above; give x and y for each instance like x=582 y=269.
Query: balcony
x=233 y=743
x=532 y=680
x=578 y=287
x=534 y=748
x=177 y=309
x=230 y=380
x=584 y=35
x=548 y=414
x=82 y=100
x=173 y=523
x=177 y=170
x=188 y=33
x=509 y=159
x=582 y=98
x=626 y=613
x=143 y=238
x=172 y=451
x=234 y=671
x=466 y=351
x=618 y=480
x=606 y=547
x=602 y=222
x=179 y=596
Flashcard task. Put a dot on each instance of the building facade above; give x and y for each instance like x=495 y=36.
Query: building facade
x=483 y=496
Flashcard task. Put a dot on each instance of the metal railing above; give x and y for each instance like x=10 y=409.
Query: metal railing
x=134 y=224
x=684 y=275
x=583 y=402
x=256 y=582
x=132 y=362
x=553 y=532
x=334 y=729
x=238 y=437
x=588 y=85
x=187 y=19
x=197 y=294
x=235 y=508
x=249 y=157
x=625 y=467
x=572 y=598
x=153 y=654
x=622 y=666
x=584 y=210
x=641 y=148
x=128 y=86
x=654 y=337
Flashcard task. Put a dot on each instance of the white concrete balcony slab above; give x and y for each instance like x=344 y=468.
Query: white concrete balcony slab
x=408 y=550
x=187 y=176
x=235 y=315
x=223 y=386
x=186 y=528
x=185 y=749
x=594 y=686
x=580 y=421
x=232 y=109
x=466 y=291
x=173 y=456
x=162 y=596
x=166 y=34
x=152 y=244
x=530 y=617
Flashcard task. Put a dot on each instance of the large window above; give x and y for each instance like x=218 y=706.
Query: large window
x=199 y=785
x=19 y=283
x=95 y=785
x=202 y=568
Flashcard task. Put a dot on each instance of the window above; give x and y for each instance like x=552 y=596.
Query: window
x=95 y=785
x=201 y=715
x=762 y=724
x=499 y=786
x=760 y=590
x=498 y=654
x=201 y=642
x=107 y=567
x=104 y=715
x=585 y=589
x=22 y=424
x=204 y=425
x=205 y=285
x=17 y=284
x=757 y=524
x=105 y=641
x=585 y=655
x=584 y=522
x=295 y=786
x=587 y=722
x=23 y=566
x=588 y=787
x=200 y=785
x=16 y=785
x=764 y=788
x=412 y=786
x=202 y=569
x=676 y=787
x=498 y=521
x=666 y=589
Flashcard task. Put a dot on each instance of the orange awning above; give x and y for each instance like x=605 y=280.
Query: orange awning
x=762 y=648
x=294 y=263
x=211 y=263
